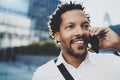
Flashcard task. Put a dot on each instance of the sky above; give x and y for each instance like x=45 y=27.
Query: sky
x=98 y=8
x=18 y=5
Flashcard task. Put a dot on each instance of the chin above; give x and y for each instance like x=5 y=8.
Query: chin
x=81 y=52
x=78 y=53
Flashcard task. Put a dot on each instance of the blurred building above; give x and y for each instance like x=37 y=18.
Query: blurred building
x=24 y=21
x=107 y=19
x=39 y=10
x=116 y=28
x=14 y=23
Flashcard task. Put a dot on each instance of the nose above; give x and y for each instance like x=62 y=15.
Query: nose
x=79 y=31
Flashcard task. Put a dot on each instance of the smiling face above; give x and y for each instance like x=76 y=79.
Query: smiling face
x=74 y=33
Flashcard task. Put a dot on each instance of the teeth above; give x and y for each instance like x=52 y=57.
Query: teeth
x=80 y=42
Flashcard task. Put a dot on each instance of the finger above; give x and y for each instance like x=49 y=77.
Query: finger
x=93 y=31
x=101 y=31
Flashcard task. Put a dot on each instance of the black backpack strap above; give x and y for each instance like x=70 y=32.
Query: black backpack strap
x=64 y=71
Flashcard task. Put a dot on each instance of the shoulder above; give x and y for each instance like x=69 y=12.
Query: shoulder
x=46 y=65
x=100 y=55
x=104 y=58
x=46 y=71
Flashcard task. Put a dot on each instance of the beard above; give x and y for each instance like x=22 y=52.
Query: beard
x=76 y=55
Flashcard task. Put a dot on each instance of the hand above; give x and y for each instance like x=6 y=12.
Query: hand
x=108 y=38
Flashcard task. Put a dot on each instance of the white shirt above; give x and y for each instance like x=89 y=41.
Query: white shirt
x=94 y=67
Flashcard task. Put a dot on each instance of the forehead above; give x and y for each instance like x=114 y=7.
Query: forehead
x=73 y=15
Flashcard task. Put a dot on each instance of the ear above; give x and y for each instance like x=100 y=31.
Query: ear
x=57 y=36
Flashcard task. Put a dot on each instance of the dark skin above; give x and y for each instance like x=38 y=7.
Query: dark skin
x=74 y=35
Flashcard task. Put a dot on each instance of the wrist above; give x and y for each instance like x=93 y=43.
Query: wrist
x=117 y=48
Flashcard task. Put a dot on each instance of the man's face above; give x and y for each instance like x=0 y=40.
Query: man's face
x=74 y=33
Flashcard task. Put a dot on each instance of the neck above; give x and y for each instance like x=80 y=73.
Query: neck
x=75 y=62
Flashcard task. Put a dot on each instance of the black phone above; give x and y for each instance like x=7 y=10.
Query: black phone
x=94 y=41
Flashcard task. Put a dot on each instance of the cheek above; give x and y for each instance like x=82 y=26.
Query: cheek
x=65 y=39
x=87 y=33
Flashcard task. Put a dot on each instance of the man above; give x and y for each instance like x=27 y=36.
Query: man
x=70 y=26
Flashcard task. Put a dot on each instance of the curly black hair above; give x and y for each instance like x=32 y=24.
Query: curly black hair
x=55 y=19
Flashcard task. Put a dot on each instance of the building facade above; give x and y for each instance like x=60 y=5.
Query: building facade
x=23 y=22
x=38 y=12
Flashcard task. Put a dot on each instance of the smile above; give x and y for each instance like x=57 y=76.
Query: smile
x=79 y=42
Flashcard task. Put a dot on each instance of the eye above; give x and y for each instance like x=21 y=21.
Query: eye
x=69 y=27
x=85 y=26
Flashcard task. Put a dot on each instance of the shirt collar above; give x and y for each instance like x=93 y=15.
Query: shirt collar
x=60 y=59
x=87 y=59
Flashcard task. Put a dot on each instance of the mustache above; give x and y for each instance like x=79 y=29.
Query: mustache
x=85 y=39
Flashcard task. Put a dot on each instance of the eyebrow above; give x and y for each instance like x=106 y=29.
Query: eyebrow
x=82 y=23
x=86 y=22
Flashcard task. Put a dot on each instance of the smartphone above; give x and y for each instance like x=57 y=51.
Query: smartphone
x=94 y=41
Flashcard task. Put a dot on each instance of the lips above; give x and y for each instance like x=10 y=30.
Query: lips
x=80 y=41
